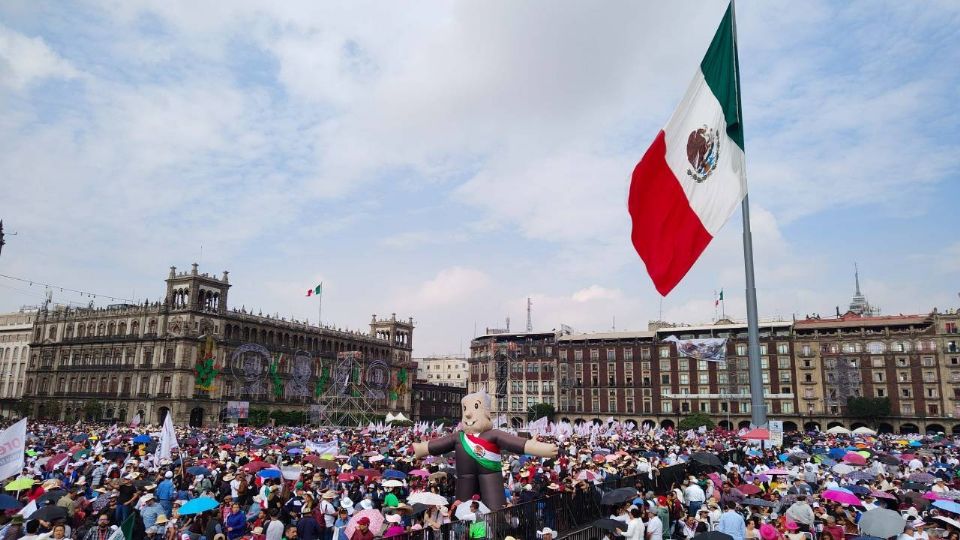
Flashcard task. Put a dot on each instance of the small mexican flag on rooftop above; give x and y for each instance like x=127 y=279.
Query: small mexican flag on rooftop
x=691 y=179
x=318 y=290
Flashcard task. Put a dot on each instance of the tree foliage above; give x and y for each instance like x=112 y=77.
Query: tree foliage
x=695 y=420
x=540 y=410
x=868 y=408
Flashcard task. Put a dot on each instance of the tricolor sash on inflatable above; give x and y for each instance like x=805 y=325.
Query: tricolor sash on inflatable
x=484 y=452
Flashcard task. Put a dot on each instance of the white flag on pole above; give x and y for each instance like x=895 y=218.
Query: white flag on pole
x=13 y=442
x=136 y=420
x=168 y=439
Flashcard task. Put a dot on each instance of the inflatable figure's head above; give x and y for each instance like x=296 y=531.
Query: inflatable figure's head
x=476 y=413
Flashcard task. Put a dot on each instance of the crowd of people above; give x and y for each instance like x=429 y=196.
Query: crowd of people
x=101 y=482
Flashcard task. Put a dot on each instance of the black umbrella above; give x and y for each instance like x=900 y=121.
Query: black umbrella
x=418 y=509
x=713 y=535
x=706 y=458
x=612 y=525
x=619 y=496
x=49 y=513
x=51 y=496
x=919 y=486
x=758 y=502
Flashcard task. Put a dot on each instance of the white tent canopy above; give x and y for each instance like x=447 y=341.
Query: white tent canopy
x=864 y=430
x=838 y=430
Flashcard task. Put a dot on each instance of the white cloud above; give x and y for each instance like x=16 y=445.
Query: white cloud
x=595 y=292
x=25 y=59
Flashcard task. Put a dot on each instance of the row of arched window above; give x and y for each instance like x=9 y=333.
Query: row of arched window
x=105 y=329
x=102 y=385
x=270 y=338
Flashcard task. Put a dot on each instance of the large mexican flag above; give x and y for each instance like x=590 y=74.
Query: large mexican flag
x=691 y=179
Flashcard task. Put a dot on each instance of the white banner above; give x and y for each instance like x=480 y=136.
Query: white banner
x=168 y=439
x=13 y=442
x=710 y=349
x=322 y=448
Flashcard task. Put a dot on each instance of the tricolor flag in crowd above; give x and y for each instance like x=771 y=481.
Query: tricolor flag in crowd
x=691 y=179
x=318 y=290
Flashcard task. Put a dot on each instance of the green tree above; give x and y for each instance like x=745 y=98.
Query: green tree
x=93 y=409
x=869 y=409
x=540 y=410
x=258 y=417
x=695 y=420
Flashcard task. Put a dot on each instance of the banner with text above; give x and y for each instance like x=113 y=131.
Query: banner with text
x=12 y=446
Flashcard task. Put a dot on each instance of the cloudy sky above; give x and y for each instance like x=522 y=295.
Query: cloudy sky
x=446 y=160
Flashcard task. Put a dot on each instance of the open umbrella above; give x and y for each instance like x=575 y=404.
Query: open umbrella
x=948 y=506
x=948 y=521
x=838 y=430
x=427 y=498
x=196 y=471
x=854 y=458
x=80 y=438
x=369 y=474
x=857 y=490
x=842 y=469
x=375 y=517
x=923 y=477
x=774 y=472
x=394 y=474
x=748 y=489
x=758 y=502
x=882 y=495
x=706 y=458
x=255 y=466
x=841 y=497
x=141 y=439
x=9 y=503
x=420 y=472
x=609 y=525
x=269 y=473
x=619 y=496
x=392 y=483
x=882 y=523
x=346 y=477
x=198 y=506
x=756 y=434
x=837 y=453
x=51 y=497
x=864 y=430
x=19 y=484
x=857 y=476
x=887 y=459
x=49 y=513
x=463 y=510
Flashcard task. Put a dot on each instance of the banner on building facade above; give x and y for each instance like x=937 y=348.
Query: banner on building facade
x=709 y=349
x=238 y=409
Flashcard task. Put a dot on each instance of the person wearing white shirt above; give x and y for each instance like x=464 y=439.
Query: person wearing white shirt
x=907 y=534
x=635 y=527
x=940 y=487
x=694 y=496
x=654 y=528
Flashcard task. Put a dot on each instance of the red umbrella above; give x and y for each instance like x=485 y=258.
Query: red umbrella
x=841 y=497
x=756 y=434
x=369 y=474
x=346 y=477
x=55 y=460
x=255 y=466
x=854 y=458
x=748 y=489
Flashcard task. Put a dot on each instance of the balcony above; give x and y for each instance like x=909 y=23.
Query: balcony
x=143 y=394
x=163 y=395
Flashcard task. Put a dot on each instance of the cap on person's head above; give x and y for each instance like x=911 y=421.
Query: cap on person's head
x=147 y=498
x=168 y=474
x=363 y=521
x=791 y=525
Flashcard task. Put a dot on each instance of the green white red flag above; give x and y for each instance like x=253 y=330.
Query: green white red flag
x=691 y=179
x=318 y=290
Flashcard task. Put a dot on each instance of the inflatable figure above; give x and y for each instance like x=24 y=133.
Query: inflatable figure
x=478 y=447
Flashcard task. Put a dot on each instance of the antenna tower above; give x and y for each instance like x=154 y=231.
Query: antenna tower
x=529 y=315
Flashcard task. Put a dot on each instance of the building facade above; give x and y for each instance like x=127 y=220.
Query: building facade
x=810 y=368
x=16 y=332
x=437 y=402
x=446 y=370
x=191 y=353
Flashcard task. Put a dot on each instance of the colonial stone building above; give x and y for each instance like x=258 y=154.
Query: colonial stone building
x=16 y=332
x=123 y=360
x=446 y=370
x=810 y=368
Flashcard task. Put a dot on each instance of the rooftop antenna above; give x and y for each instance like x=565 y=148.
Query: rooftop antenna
x=529 y=315
x=508 y=323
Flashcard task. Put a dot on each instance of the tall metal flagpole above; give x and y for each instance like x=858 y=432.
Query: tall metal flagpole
x=758 y=407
